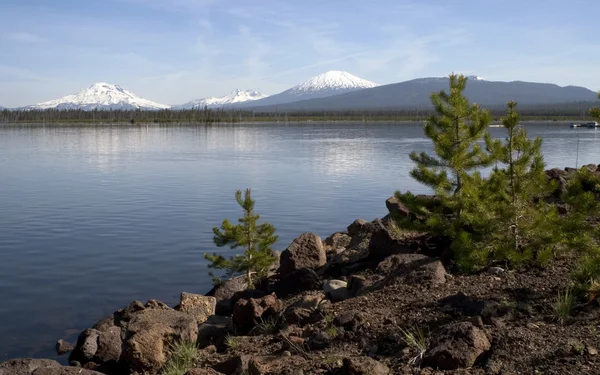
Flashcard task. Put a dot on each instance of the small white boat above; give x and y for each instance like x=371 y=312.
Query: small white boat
x=591 y=124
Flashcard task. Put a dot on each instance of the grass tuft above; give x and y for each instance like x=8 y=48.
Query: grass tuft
x=184 y=356
x=563 y=305
x=418 y=340
x=231 y=342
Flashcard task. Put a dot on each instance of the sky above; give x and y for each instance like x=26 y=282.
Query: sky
x=173 y=51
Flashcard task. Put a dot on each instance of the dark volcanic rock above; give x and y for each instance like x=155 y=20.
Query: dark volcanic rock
x=214 y=331
x=458 y=345
x=416 y=268
x=25 y=366
x=228 y=288
x=383 y=243
x=248 y=313
x=396 y=208
x=299 y=281
x=305 y=251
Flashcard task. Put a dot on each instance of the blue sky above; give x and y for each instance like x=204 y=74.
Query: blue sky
x=173 y=51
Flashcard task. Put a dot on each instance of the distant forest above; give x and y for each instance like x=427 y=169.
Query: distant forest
x=546 y=112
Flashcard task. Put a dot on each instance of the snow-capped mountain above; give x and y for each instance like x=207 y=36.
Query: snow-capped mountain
x=333 y=82
x=101 y=95
x=236 y=96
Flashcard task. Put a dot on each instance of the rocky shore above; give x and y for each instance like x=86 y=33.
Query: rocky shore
x=372 y=300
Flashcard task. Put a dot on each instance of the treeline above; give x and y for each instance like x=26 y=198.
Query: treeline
x=547 y=112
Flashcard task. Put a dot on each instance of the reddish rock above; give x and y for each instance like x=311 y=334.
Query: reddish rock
x=305 y=251
x=247 y=313
x=458 y=345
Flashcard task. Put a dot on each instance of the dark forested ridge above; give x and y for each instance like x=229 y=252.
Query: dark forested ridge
x=549 y=112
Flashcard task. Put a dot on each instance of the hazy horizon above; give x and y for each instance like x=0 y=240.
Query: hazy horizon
x=192 y=49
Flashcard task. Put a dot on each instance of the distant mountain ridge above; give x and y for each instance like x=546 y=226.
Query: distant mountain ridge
x=101 y=95
x=234 y=97
x=416 y=94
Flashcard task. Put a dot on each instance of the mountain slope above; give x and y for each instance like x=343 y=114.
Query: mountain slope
x=236 y=96
x=331 y=83
x=415 y=94
x=100 y=95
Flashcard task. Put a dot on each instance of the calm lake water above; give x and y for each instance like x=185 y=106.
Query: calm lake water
x=92 y=218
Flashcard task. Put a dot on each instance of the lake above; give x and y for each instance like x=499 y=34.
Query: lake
x=92 y=218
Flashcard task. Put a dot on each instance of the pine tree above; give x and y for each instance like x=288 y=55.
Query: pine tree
x=256 y=239
x=523 y=227
x=455 y=130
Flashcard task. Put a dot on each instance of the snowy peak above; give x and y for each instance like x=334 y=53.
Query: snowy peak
x=101 y=95
x=333 y=80
x=236 y=96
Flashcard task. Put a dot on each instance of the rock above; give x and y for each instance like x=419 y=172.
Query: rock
x=275 y=265
x=336 y=290
x=63 y=347
x=416 y=268
x=202 y=371
x=109 y=348
x=360 y=228
x=305 y=251
x=356 y=284
x=458 y=345
x=234 y=366
x=201 y=307
x=299 y=281
x=348 y=319
x=383 y=243
x=460 y=304
x=318 y=340
x=214 y=330
x=150 y=334
x=364 y=366
x=396 y=208
x=64 y=370
x=248 y=313
x=25 y=366
x=337 y=240
x=86 y=347
x=495 y=270
x=123 y=316
x=301 y=311
x=591 y=350
x=104 y=324
x=227 y=288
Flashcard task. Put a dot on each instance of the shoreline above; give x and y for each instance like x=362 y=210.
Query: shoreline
x=345 y=307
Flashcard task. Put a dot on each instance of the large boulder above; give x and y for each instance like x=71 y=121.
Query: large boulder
x=298 y=281
x=458 y=345
x=26 y=366
x=305 y=251
x=150 y=335
x=364 y=366
x=248 y=313
x=415 y=268
x=101 y=347
x=201 y=307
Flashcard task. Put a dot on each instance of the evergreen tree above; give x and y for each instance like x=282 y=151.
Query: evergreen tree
x=451 y=173
x=256 y=239
x=523 y=227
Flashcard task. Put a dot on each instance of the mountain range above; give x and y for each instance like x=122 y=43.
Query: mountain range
x=236 y=96
x=334 y=90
